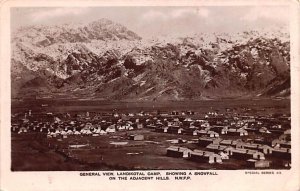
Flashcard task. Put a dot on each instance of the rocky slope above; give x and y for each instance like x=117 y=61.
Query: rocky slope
x=105 y=60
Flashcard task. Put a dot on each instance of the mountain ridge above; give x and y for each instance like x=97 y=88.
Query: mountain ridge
x=103 y=59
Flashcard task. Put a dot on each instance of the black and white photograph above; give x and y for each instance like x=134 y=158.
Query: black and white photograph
x=150 y=88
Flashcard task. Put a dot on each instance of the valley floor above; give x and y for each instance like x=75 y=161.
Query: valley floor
x=35 y=152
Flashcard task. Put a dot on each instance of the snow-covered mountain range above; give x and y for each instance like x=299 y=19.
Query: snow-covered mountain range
x=105 y=60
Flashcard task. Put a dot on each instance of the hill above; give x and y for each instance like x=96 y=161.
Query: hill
x=104 y=59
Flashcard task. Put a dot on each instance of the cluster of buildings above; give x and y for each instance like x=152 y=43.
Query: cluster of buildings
x=253 y=151
x=256 y=140
x=64 y=126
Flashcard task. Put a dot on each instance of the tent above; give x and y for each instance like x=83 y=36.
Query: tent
x=22 y=130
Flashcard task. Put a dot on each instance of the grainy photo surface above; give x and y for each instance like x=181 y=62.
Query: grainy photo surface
x=150 y=88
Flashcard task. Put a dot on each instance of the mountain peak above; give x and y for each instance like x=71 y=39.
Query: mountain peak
x=102 y=29
x=102 y=21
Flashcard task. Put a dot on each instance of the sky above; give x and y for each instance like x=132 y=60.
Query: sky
x=154 y=21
